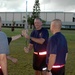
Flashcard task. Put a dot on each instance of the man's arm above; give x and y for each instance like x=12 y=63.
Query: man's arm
x=3 y=63
x=66 y=56
x=37 y=40
x=29 y=48
x=16 y=37
x=51 y=62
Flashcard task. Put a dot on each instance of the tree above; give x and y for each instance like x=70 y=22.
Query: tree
x=36 y=10
x=30 y=21
x=35 y=13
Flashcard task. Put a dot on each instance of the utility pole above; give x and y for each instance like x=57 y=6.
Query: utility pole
x=26 y=23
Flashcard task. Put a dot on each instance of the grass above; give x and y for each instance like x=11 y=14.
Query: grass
x=24 y=64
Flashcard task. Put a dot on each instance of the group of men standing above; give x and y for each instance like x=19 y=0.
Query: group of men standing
x=50 y=54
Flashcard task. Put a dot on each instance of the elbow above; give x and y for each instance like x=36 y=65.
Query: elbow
x=41 y=42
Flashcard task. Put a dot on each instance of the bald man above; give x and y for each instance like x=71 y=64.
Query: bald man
x=56 y=50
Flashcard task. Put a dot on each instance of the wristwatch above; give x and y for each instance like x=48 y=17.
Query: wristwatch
x=48 y=70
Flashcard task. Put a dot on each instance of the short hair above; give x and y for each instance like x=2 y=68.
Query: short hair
x=58 y=20
x=38 y=19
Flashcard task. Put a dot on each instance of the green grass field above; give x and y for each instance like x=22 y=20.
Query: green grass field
x=24 y=64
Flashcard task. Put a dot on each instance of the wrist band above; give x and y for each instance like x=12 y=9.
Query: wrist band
x=48 y=70
x=21 y=35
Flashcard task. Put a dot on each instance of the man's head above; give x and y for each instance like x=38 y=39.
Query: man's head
x=0 y=23
x=38 y=23
x=55 y=26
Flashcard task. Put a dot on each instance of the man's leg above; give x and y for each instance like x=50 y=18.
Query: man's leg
x=37 y=72
x=43 y=73
x=40 y=72
x=3 y=63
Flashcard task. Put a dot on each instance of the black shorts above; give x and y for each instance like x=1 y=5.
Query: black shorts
x=39 y=62
x=1 y=73
x=58 y=71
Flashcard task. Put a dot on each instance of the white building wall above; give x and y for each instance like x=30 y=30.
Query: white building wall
x=9 y=16
x=50 y=16
x=3 y=16
x=68 y=17
x=17 y=16
x=60 y=16
x=47 y=16
x=43 y=16
x=23 y=16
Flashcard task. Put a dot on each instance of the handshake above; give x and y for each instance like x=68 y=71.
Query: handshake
x=25 y=34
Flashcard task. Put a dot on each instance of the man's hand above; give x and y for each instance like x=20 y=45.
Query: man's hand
x=48 y=73
x=26 y=50
x=24 y=33
x=14 y=60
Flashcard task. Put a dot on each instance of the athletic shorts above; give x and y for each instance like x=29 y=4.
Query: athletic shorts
x=1 y=73
x=58 y=71
x=39 y=62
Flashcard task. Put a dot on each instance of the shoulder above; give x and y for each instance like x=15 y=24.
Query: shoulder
x=2 y=34
x=33 y=31
x=44 y=29
x=53 y=38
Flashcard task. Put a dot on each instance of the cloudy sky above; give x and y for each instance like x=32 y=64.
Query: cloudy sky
x=45 y=5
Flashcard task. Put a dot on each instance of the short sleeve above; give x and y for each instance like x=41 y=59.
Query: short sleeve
x=9 y=40
x=4 y=48
x=52 y=46
x=45 y=34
